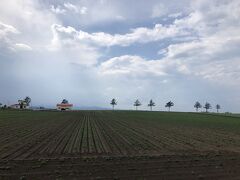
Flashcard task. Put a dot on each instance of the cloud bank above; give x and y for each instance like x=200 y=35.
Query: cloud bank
x=182 y=52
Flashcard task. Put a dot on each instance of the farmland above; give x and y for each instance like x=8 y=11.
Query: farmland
x=119 y=144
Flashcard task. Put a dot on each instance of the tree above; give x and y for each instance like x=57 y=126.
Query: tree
x=27 y=100
x=207 y=106
x=197 y=105
x=22 y=103
x=113 y=103
x=218 y=107
x=137 y=103
x=151 y=104
x=169 y=105
x=64 y=101
x=0 y=104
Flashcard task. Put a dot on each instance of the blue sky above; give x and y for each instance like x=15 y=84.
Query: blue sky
x=91 y=51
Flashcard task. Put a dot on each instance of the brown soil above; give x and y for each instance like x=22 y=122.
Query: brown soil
x=90 y=145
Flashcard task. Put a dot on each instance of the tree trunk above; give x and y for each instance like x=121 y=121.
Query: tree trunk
x=168 y=109
x=151 y=108
x=113 y=107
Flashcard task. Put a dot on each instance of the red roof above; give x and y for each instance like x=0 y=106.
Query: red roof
x=15 y=105
x=64 y=105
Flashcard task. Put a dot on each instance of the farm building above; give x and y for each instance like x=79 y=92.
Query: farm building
x=15 y=106
x=22 y=104
x=64 y=105
x=19 y=106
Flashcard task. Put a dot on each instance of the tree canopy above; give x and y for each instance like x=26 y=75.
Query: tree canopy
x=64 y=101
x=169 y=105
x=151 y=104
x=137 y=103
x=218 y=107
x=207 y=106
x=197 y=105
x=27 y=100
x=113 y=102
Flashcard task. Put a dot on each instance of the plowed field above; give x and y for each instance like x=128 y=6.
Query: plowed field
x=118 y=144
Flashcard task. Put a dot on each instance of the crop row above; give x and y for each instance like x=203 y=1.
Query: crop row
x=95 y=133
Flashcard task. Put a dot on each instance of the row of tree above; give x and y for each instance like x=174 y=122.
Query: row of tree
x=207 y=106
x=168 y=105
x=138 y=103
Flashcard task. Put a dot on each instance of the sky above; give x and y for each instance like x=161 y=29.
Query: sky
x=90 y=51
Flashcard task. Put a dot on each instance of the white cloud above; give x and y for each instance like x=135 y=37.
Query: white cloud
x=108 y=12
x=208 y=46
x=6 y=37
x=71 y=7
x=212 y=59
x=214 y=55
x=138 y=35
x=71 y=50
x=6 y=29
x=83 y=10
x=24 y=47
x=31 y=19
x=58 y=10
x=35 y=22
x=175 y=15
x=134 y=66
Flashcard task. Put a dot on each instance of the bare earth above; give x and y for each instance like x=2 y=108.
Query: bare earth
x=118 y=145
